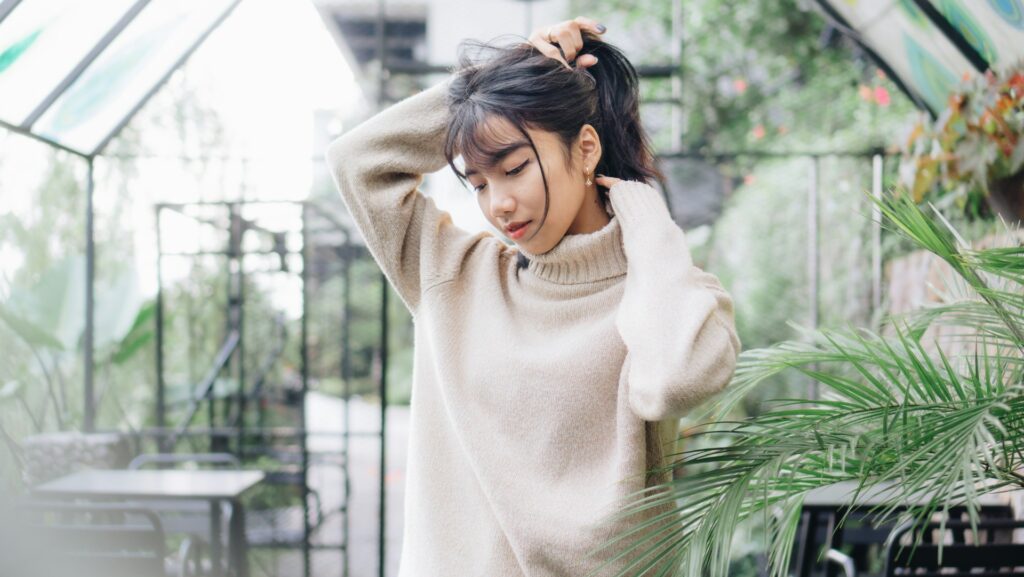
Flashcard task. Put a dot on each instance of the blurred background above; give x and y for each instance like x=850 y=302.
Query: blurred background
x=178 y=275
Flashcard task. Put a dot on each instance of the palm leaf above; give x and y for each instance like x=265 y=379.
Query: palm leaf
x=897 y=415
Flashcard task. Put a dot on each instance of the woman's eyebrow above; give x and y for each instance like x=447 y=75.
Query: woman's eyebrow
x=500 y=154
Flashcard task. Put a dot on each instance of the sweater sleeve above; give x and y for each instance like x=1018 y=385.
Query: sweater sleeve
x=378 y=167
x=675 y=319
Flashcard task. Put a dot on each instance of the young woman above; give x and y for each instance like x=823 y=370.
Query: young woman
x=543 y=370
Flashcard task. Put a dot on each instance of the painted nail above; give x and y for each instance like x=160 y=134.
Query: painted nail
x=601 y=28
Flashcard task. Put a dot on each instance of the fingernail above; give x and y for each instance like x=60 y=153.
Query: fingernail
x=601 y=28
x=599 y=175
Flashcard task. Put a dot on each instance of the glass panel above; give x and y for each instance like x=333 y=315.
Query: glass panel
x=41 y=41
x=995 y=28
x=42 y=297
x=966 y=22
x=115 y=83
x=906 y=39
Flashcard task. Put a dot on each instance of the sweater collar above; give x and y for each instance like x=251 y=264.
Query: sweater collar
x=582 y=258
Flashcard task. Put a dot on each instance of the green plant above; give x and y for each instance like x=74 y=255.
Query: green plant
x=49 y=319
x=976 y=139
x=948 y=426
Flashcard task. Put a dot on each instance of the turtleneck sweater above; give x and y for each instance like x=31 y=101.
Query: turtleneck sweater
x=542 y=396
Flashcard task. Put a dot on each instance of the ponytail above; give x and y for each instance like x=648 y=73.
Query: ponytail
x=627 y=152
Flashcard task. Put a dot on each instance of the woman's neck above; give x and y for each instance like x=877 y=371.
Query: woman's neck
x=592 y=215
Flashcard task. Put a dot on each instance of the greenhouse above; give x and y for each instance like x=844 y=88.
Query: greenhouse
x=216 y=358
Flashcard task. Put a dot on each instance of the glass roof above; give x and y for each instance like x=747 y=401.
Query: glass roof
x=43 y=41
x=74 y=72
x=927 y=59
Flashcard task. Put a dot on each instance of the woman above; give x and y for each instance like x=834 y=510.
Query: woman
x=543 y=370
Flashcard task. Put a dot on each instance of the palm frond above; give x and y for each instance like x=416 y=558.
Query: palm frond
x=902 y=418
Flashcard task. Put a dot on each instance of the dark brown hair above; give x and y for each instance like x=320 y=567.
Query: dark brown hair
x=529 y=89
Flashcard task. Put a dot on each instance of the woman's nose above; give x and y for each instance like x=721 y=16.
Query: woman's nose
x=502 y=204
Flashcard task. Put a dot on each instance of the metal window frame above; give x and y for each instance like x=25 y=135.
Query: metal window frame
x=954 y=36
x=6 y=8
x=84 y=63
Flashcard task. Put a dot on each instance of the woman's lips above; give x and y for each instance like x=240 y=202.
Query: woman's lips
x=515 y=233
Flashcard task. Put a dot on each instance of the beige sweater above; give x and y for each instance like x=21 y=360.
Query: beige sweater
x=537 y=393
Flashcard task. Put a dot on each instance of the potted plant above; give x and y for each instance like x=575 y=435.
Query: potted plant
x=973 y=154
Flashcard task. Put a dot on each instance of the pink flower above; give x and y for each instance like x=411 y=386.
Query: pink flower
x=881 y=96
x=758 y=132
x=865 y=92
x=740 y=85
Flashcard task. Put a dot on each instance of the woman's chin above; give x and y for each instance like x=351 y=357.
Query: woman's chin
x=534 y=246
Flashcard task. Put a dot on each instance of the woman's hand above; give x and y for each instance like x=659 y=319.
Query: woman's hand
x=566 y=38
x=606 y=181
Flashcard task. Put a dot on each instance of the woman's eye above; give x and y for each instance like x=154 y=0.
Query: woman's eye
x=478 y=188
x=518 y=169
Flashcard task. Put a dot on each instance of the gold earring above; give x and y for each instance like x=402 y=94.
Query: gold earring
x=587 y=173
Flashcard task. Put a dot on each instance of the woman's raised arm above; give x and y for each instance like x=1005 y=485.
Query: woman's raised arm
x=378 y=167
x=675 y=319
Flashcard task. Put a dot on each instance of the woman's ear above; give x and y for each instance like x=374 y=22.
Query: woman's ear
x=589 y=144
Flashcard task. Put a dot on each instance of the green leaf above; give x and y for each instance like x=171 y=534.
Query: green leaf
x=142 y=332
x=51 y=313
x=27 y=331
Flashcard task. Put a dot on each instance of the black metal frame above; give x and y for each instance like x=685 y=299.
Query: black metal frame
x=6 y=8
x=819 y=530
x=950 y=32
x=230 y=357
x=964 y=559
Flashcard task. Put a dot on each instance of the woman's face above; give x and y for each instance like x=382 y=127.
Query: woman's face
x=512 y=191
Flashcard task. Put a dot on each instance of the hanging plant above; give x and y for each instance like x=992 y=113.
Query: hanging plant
x=972 y=155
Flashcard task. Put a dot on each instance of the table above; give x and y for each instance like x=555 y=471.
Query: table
x=215 y=486
x=827 y=502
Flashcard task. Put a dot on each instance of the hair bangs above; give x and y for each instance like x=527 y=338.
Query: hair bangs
x=480 y=139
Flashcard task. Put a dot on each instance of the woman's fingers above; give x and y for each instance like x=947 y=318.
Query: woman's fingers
x=551 y=51
x=606 y=181
x=590 y=23
x=569 y=39
x=539 y=39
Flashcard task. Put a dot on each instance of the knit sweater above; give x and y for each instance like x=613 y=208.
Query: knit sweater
x=538 y=393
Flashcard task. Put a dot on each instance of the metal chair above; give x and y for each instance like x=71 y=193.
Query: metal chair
x=93 y=540
x=226 y=459
x=844 y=561
x=265 y=527
x=993 y=554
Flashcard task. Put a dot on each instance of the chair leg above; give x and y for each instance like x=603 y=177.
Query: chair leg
x=842 y=560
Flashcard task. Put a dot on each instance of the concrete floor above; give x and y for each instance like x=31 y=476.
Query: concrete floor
x=326 y=414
